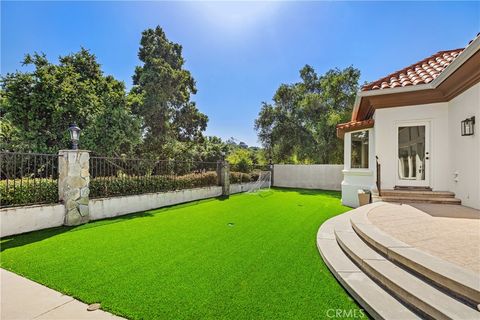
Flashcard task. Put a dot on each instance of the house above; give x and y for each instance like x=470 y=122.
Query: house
x=413 y=132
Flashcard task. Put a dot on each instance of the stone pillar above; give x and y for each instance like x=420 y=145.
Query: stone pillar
x=225 y=178
x=73 y=185
x=219 y=173
x=271 y=167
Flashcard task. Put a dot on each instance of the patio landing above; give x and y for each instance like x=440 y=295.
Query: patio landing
x=450 y=232
x=400 y=262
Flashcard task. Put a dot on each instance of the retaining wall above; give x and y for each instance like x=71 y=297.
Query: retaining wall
x=29 y=218
x=118 y=206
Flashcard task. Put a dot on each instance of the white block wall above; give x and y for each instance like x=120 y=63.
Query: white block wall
x=30 y=218
x=311 y=176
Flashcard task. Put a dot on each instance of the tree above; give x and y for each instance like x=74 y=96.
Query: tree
x=240 y=160
x=37 y=107
x=300 y=124
x=161 y=96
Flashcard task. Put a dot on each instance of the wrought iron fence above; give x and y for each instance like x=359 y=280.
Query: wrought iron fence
x=128 y=176
x=28 y=178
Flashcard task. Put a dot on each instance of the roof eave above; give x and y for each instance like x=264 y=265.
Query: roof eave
x=467 y=53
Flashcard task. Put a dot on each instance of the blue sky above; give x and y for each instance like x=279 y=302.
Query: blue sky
x=239 y=53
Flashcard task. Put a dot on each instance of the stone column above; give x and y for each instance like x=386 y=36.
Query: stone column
x=225 y=178
x=271 y=167
x=219 y=172
x=73 y=185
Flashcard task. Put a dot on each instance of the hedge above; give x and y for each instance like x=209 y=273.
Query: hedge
x=115 y=186
x=240 y=177
x=24 y=192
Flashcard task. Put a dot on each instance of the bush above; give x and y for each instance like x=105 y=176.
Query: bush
x=116 y=186
x=28 y=191
x=46 y=190
x=240 y=177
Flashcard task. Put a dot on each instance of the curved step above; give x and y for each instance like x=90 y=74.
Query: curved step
x=374 y=299
x=463 y=283
x=402 y=284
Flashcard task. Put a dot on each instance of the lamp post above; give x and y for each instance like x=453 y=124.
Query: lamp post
x=74 y=131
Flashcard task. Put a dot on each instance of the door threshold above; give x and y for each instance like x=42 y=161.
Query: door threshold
x=412 y=188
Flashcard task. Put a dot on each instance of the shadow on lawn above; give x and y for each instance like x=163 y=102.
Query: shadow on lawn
x=35 y=236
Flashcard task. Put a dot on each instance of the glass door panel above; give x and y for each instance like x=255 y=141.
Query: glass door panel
x=412 y=153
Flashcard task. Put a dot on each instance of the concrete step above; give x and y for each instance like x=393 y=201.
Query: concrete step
x=405 y=286
x=372 y=297
x=452 y=278
x=420 y=199
x=417 y=193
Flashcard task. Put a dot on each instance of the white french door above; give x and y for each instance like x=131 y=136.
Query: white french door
x=413 y=154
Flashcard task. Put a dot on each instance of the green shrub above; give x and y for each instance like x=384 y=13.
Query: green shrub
x=115 y=186
x=240 y=177
x=28 y=191
x=46 y=190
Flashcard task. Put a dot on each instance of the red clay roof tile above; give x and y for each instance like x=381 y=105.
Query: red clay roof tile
x=354 y=125
x=422 y=72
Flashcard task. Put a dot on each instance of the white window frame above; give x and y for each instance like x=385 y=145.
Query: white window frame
x=348 y=153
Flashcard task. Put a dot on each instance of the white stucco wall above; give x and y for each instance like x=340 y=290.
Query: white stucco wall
x=117 y=206
x=30 y=218
x=356 y=179
x=314 y=176
x=386 y=137
x=465 y=151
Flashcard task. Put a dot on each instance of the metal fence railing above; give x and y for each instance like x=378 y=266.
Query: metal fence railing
x=28 y=178
x=128 y=176
x=32 y=178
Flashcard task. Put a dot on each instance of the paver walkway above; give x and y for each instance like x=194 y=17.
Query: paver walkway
x=21 y=298
x=450 y=232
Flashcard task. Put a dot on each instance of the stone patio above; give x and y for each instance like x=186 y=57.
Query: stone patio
x=450 y=232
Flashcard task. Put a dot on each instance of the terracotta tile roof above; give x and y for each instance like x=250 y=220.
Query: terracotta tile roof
x=422 y=72
x=354 y=125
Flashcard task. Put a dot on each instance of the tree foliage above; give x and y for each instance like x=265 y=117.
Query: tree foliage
x=155 y=119
x=162 y=96
x=38 y=106
x=300 y=124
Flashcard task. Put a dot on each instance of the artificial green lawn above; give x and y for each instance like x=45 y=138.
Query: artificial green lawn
x=252 y=256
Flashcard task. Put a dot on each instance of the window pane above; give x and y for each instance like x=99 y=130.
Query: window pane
x=360 y=150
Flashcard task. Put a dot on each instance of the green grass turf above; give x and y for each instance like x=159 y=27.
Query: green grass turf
x=186 y=262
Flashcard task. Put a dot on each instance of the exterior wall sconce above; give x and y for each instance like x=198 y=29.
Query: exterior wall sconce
x=468 y=126
x=74 y=131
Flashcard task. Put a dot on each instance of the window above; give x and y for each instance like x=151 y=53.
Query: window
x=359 y=144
